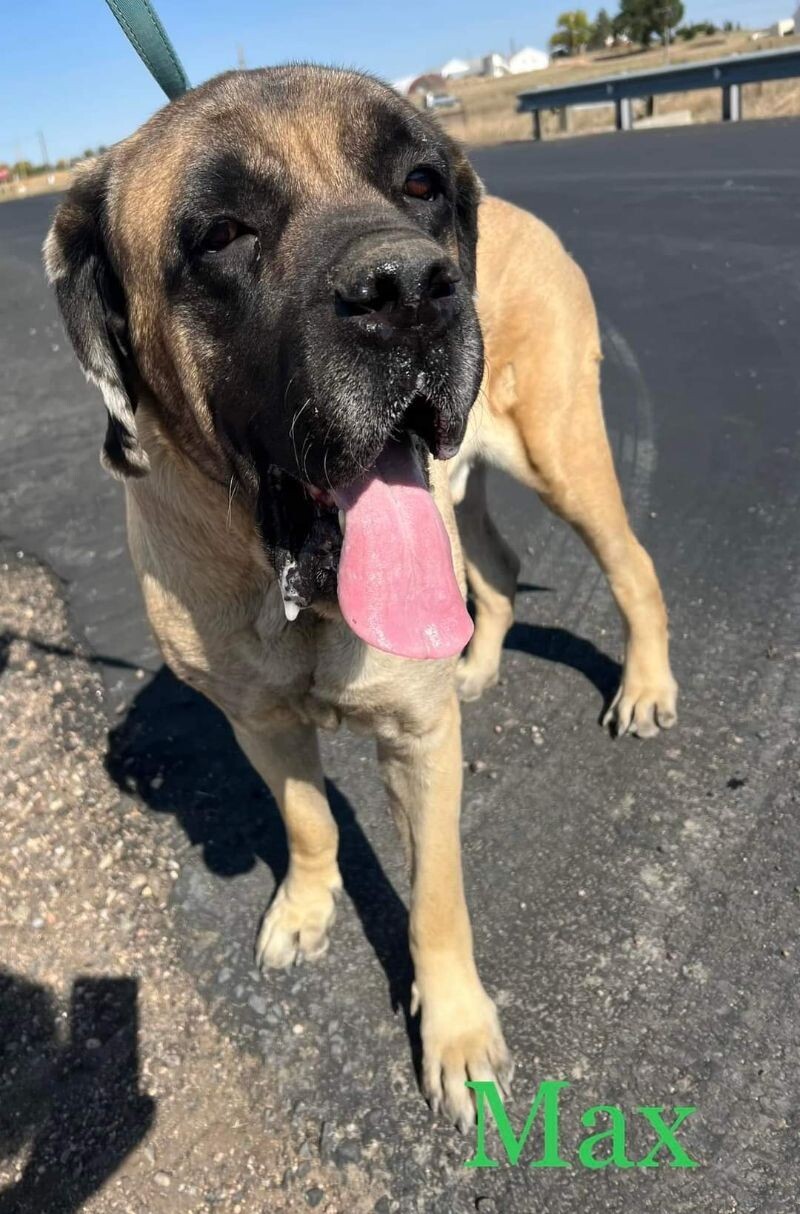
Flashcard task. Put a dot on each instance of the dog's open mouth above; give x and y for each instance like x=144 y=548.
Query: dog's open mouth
x=397 y=588
x=396 y=584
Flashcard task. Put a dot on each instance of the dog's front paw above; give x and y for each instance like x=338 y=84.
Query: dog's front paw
x=644 y=705
x=461 y=1040
x=297 y=923
x=472 y=679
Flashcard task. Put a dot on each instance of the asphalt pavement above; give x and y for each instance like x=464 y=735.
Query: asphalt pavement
x=635 y=905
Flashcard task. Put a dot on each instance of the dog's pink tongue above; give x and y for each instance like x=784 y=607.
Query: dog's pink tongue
x=397 y=587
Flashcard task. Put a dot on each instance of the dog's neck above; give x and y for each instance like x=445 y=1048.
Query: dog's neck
x=297 y=540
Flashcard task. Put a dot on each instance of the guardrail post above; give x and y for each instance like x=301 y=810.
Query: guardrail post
x=537 y=125
x=731 y=103
x=624 y=114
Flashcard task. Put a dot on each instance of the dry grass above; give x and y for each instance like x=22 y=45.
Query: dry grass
x=487 y=112
x=41 y=183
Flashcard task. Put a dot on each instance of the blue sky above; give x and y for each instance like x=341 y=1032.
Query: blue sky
x=68 y=70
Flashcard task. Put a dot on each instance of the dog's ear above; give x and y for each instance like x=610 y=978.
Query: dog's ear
x=92 y=304
x=469 y=191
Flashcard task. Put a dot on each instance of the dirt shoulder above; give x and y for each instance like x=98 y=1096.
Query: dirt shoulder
x=117 y=1091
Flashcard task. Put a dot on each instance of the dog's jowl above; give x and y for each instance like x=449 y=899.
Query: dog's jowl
x=283 y=285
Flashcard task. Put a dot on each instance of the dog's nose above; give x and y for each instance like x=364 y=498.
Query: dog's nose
x=397 y=296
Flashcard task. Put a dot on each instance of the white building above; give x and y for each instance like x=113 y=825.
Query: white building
x=403 y=85
x=785 y=26
x=494 y=65
x=454 y=69
x=528 y=60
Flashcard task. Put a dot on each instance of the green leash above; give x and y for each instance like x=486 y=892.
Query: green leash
x=148 y=38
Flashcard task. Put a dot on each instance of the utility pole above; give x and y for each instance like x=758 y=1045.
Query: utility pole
x=665 y=31
x=43 y=147
x=240 y=59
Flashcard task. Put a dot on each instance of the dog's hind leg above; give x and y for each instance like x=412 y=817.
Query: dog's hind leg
x=492 y=571
x=571 y=467
x=297 y=922
x=461 y=1035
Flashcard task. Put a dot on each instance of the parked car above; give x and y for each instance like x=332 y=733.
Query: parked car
x=440 y=101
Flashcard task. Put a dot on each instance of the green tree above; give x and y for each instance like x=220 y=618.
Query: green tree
x=642 y=20
x=572 y=32
x=698 y=30
x=602 y=30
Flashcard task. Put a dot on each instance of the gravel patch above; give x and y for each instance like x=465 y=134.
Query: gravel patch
x=117 y=1090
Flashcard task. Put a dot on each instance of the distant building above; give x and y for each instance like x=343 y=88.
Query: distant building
x=402 y=85
x=785 y=26
x=456 y=69
x=528 y=60
x=490 y=66
x=494 y=65
x=419 y=88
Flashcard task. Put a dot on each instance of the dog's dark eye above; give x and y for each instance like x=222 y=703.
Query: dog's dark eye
x=422 y=184
x=221 y=233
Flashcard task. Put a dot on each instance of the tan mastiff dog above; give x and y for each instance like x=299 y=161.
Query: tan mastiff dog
x=273 y=284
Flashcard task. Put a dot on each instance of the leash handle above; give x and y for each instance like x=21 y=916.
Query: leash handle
x=147 y=36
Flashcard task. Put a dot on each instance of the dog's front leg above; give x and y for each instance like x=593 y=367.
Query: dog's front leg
x=297 y=922
x=461 y=1035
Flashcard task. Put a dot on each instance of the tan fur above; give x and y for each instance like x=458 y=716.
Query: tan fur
x=539 y=418
x=217 y=612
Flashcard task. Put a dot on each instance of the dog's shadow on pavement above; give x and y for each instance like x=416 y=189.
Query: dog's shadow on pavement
x=69 y=1093
x=175 y=751
x=566 y=649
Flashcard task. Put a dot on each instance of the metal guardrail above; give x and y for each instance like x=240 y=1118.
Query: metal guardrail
x=729 y=74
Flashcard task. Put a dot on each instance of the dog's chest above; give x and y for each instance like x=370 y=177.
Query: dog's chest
x=320 y=671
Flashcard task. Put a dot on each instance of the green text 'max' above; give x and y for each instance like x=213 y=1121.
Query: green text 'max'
x=604 y=1148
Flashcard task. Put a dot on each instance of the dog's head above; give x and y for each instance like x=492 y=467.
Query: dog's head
x=281 y=265
x=283 y=261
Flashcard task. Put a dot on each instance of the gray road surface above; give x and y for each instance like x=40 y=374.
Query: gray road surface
x=635 y=905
